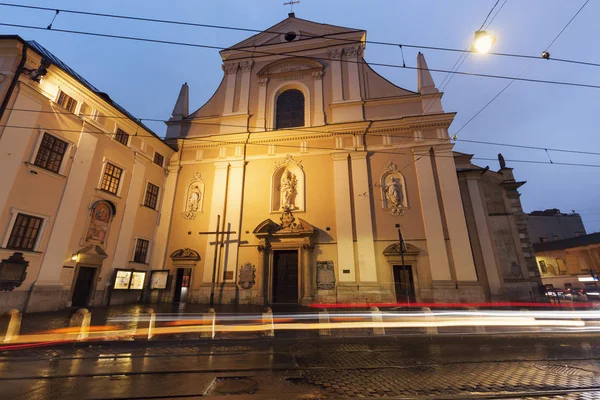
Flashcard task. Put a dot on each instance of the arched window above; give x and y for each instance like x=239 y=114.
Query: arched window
x=290 y=109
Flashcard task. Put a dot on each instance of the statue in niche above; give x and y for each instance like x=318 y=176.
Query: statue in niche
x=393 y=192
x=288 y=190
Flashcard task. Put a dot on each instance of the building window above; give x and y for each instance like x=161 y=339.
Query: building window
x=25 y=232
x=141 y=251
x=122 y=137
x=111 y=178
x=66 y=102
x=290 y=109
x=543 y=267
x=151 y=198
x=51 y=153
x=158 y=159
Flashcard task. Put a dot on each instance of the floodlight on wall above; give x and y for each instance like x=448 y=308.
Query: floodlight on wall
x=483 y=41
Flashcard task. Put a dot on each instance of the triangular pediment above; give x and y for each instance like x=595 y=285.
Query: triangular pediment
x=306 y=30
x=289 y=226
x=394 y=250
x=93 y=250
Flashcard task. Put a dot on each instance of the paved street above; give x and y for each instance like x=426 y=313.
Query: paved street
x=441 y=367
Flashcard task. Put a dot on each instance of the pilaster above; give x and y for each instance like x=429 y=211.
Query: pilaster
x=161 y=238
x=230 y=70
x=319 y=117
x=432 y=220
x=217 y=212
x=483 y=232
x=233 y=220
x=336 y=74
x=354 y=54
x=261 y=122
x=343 y=218
x=455 y=216
x=246 y=67
x=363 y=218
x=132 y=205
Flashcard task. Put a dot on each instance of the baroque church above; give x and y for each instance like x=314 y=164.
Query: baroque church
x=306 y=178
x=293 y=182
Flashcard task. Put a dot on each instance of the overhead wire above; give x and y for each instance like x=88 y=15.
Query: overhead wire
x=295 y=55
x=305 y=35
x=522 y=73
x=301 y=130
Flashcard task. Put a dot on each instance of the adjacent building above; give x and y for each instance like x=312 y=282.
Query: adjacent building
x=83 y=182
x=551 y=224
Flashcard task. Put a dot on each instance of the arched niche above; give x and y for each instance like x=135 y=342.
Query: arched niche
x=99 y=221
x=194 y=197
x=393 y=190
x=288 y=186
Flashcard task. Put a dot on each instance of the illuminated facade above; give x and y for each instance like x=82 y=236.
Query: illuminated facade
x=307 y=162
x=82 y=184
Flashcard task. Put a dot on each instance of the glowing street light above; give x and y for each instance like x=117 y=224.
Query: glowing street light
x=483 y=41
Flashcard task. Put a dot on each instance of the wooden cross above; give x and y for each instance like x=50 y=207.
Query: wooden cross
x=291 y=4
x=217 y=242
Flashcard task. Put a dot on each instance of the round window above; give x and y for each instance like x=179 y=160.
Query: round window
x=290 y=36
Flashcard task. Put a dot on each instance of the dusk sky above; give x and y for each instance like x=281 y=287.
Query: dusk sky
x=145 y=78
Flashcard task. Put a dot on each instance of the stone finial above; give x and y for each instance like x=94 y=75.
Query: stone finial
x=182 y=105
x=425 y=80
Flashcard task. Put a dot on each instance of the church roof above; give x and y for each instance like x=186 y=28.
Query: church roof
x=307 y=29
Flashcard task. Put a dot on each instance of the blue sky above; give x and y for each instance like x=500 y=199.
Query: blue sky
x=145 y=78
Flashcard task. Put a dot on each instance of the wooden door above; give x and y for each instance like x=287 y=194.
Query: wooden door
x=83 y=286
x=285 y=276
x=404 y=284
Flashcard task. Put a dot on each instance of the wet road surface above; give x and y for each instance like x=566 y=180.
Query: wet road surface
x=411 y=367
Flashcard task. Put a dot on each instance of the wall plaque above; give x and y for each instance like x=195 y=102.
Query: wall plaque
x=228 y=274
x=247 y=276
x=13 y=271
x=325 y=275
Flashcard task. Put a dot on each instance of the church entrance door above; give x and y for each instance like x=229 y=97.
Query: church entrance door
x=404 y=284
x=182 y=283
x=285 y=276
x=83 y=286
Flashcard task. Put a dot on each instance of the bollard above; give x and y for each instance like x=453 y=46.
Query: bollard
x=478 y=328
x=377 y=318
x=211 y=316
x=324 y=319
x=267 y=321
x=14 y=325
x=429 y=330
x=81 y=319
x=151 y=323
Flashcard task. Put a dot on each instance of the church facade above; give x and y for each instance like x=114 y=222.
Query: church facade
x=306 y=178
x=307 y=162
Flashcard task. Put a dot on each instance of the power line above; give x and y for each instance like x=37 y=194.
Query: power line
x=279 y=144
x=328 y=36
x=294 y=54
x=521 y=74
x=304 y=130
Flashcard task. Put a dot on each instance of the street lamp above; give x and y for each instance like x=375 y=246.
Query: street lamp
x=483 y=41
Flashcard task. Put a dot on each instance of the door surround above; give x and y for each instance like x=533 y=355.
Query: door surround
x=394 y=257
x=90 y=256
x=292 y=234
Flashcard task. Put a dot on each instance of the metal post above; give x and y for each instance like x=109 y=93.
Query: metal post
x=212 y=287
x=401 y=240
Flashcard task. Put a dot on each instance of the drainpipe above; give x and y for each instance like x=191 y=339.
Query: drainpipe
x=14 y=81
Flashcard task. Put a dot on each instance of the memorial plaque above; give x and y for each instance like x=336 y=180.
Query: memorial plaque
x=228 y=274
x=247 y=276
x=13 y=271
x=158 y=280
x=325 y=275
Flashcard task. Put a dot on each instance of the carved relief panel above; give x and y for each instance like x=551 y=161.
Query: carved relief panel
x=101 y=214
x=194 y=197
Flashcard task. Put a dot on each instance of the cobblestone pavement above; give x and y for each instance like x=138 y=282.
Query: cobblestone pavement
x=442 y=367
